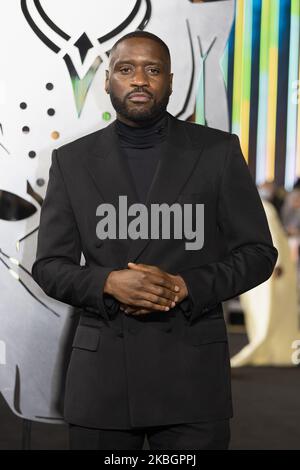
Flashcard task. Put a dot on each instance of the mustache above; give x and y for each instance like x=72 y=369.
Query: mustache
x=139 y=90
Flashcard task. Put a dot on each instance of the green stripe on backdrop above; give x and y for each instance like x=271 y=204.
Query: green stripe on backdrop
x=242 y=73
x=262 y=121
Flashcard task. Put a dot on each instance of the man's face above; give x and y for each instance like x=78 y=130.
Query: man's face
x=139 y=80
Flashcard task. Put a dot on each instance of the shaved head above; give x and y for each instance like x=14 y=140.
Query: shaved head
x=142 y=34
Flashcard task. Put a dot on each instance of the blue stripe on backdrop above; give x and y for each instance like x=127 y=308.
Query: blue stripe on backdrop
x=256 y=23
x=230 y=72
x=282 y=97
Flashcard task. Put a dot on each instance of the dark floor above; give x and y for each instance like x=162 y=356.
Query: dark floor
x=266 y=406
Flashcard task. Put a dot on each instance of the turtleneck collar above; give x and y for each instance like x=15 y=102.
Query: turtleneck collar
x=146 y=136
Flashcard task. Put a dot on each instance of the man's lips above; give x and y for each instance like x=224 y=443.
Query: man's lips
x=139 y=97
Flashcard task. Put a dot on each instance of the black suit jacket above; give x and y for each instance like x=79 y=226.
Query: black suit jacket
x=163 y=367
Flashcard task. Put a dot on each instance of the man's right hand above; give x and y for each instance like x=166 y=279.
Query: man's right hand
x=142 y=289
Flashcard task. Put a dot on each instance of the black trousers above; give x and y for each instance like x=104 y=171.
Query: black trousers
x=213 y=435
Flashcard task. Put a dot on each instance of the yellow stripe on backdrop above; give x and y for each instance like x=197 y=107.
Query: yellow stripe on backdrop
x=242 y=73
x=272 y=88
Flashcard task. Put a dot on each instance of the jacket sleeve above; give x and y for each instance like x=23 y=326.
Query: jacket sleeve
x=57 y=267
x=251 y=255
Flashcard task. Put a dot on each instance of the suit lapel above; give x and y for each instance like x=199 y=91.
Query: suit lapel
x=108 y=168
x=113 y=179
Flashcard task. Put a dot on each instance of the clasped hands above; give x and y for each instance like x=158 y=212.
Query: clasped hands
x=143 y=288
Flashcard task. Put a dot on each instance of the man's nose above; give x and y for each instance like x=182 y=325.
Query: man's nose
x=140 y=78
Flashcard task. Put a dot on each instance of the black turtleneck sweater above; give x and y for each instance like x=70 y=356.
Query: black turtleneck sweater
x=141 y=148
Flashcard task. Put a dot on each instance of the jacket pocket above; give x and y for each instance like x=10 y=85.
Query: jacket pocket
x=86 y=337
x=209 y=331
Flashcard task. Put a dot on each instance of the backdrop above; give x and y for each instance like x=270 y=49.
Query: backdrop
x=53 y=54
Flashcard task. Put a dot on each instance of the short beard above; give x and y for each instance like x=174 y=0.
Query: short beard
x=139 y=115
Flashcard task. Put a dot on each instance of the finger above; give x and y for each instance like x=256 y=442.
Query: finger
x=130 y=309
x=141 y=312
x=153 y=306
x=145 y=295
x=143 y=267
x=164 y=281
x=134 y=310
x=162 y=292
x=123 y=307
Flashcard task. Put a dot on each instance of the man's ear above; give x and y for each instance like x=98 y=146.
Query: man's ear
x=106 y=81
x=171 y=83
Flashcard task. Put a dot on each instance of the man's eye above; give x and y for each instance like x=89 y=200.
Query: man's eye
x=155 y=71
x=125 y=69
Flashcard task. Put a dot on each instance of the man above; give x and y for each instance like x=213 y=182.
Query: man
x=150 y=354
